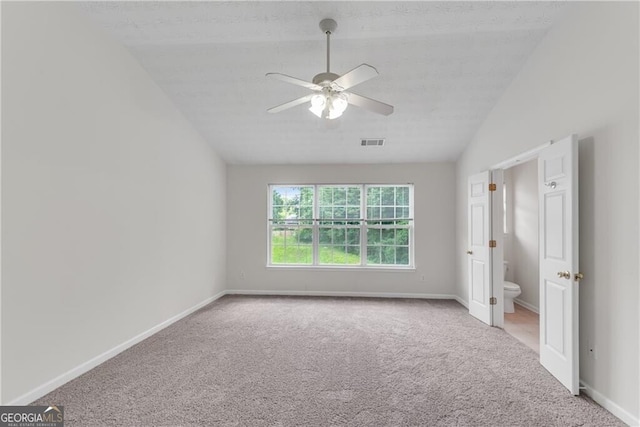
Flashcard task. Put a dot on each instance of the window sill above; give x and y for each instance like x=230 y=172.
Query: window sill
x=385 y=269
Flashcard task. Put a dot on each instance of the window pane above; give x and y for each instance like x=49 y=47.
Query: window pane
x=339 y=236
x=388 y=236
x=388 y=254
x=402 y=236
x=325 y=196
x=340 y=196
x=353 y=236
x=306 y=196
x=306 y=212
x=278 y=213
x=353 y=212
x=388 y=196
x=324 y=236
x=388 y=212
x=353 y=196
x=277 y=247
x=304 y=236
x=402 y=196
x=373 y=213
x=373 y=196
x=373 y=236
x=402 y=256
x=373 y=254
x=352 y=255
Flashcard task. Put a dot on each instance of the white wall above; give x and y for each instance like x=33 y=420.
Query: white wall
x=583 y=78
x=434 y=230
x=507 y=241
x=113 y=206
x=524 y=257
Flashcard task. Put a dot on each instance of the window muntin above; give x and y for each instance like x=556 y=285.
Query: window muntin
x=341 y=225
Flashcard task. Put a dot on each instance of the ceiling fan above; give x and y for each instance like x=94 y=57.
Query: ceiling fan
x=330 y=98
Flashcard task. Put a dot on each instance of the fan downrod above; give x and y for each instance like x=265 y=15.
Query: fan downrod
x=327 y=26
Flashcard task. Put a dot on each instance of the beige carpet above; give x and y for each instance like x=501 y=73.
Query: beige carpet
x=294 y=361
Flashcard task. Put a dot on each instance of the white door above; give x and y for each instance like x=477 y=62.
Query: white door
x=558 y=191
x=478 y=255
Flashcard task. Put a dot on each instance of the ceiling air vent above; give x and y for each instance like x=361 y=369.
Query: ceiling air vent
x=377 y=142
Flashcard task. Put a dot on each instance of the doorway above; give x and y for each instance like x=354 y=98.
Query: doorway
x=521 y=252
x=557 y=165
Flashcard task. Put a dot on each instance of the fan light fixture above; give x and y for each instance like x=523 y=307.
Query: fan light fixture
x=329 y=104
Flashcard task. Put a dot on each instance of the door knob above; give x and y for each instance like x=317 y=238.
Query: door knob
x=578 y=276
x=469 y=252
x=564 y=274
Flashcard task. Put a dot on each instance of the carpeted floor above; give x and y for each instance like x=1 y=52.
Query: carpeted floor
x=298 y=361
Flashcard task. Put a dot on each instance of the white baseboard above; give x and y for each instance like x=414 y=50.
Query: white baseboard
x=49 y=386
x=610 y=406
x=526 y=305
x=461 y=301
x=339 y=294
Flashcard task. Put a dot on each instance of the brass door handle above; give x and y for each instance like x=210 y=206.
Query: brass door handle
x=564 y=274
x=578 y=276
x=469 y=252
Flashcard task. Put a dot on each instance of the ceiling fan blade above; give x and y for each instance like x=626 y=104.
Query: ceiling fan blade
x=369 y=104
x=290 y=104
x=295 y=81
x=361 y=73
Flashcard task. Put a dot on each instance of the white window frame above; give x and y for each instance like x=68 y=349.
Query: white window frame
x=315 y=264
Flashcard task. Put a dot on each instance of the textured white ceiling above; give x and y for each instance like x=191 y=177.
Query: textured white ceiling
x=443 y=65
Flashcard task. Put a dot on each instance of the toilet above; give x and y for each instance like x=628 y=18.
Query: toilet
x=511 y=291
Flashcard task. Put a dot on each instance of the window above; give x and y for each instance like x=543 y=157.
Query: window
x=292 y=225
x=341 y=225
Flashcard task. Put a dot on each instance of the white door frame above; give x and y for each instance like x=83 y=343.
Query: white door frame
x=497 y=253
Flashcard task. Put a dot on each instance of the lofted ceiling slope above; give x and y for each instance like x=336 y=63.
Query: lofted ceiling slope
x=443 y=65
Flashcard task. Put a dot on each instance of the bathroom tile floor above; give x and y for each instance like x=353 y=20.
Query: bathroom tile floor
x=524 y=325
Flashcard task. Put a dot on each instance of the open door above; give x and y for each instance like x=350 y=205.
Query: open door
x=559 y=275
x=478 y=253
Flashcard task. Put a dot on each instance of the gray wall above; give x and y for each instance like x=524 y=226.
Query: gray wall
x=583 y=78
x=524 y=246
x=434 y=230
x=113 y=207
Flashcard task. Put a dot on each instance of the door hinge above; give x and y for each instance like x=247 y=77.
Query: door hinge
x=492 y=187
x=493 y=301
x=492 y=243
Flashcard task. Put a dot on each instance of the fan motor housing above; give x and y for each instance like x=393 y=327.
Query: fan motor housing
x=324 y=77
